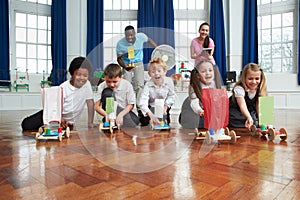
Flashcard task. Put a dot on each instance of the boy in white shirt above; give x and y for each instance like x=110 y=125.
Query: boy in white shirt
x=123 y=93
x=158 y=87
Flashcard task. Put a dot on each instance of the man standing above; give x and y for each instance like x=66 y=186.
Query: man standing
x=130 y=57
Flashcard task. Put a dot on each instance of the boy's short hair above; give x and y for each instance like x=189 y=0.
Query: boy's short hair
x=113 y=70
x=129 y=27
x=80 y=62
x=157 y=62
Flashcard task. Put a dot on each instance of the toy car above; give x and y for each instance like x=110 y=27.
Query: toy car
x=268 y=131
x=160 y=126
x=222 y=134
x=52 y=131
x=108 y=126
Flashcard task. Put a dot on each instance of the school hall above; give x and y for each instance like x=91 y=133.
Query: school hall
x=142 y=163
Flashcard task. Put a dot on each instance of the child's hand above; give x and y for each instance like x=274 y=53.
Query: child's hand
x=201 y=113
x=119 y=120
x=64 y=124
x=165 y=109
x=154 y=119
x=249 y=123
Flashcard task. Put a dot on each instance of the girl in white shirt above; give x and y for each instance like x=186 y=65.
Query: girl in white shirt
x=204 y=75
x=244 y=100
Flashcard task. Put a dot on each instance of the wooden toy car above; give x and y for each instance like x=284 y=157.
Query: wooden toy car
x=160 y=126
x=268 y=131
x=52 y=131
x=108 y=126
x=221 y=135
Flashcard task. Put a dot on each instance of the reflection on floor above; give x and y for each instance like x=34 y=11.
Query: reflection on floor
x=139 y=163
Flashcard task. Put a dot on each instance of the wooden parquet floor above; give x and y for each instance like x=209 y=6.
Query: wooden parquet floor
x=162 y=165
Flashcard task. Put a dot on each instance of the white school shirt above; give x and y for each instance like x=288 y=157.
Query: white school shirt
x=195 y=103
x=239 y=91
x=152 y=92
x=124 y=93
x=74 y=99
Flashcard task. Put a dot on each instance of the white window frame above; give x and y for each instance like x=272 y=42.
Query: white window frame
x=29 y=7
x=278 y=7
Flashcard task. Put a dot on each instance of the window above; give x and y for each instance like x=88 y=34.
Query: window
x=277 y=35
x=189 y=14
x=31 y=35
x=117 y=15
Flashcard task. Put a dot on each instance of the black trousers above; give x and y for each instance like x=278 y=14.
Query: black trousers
x=33 y=122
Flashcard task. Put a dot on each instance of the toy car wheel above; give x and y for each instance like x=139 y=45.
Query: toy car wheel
x=226 y=131
x=253 y=130
x=134 y=140
x=100 y=126
x=232 y=134
x=37 y=135
x=208 y=139
x=68 y=132
x=283 y=131
x=60 y=137
x=271 y=134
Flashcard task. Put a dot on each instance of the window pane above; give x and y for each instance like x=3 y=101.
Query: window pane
x=49 y=52
x=288 y=34
x=108 y=5
x=191 y=4
x=42 y=51
x=21 y=50
x=266 y=22
x=49 y=67
x=49 y=23
x=287 y=49
x=21 y=19
x=287 y=19
x=276 y=20
x=182 y=4
x=21 y=34
x=125 y=4
x=133 y=4
x=42 y=66
x=276 y=35
x=276 y=50
x=49 y=37
x=108 y=26
x=32 y=68
x=266 y=65
x=117 y=27
x=42 y=36
x=200 y=4
x=266 y=51
x=32 y=21
x=266 y=36
x=21 y=64
x=32 y=35
x=287 y=65
x=42 y=22
x=117 y=4
x=31 y=51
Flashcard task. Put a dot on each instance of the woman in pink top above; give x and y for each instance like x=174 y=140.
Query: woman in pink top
x=201 y=42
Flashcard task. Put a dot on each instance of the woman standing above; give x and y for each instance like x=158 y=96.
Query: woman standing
x=202 y=47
